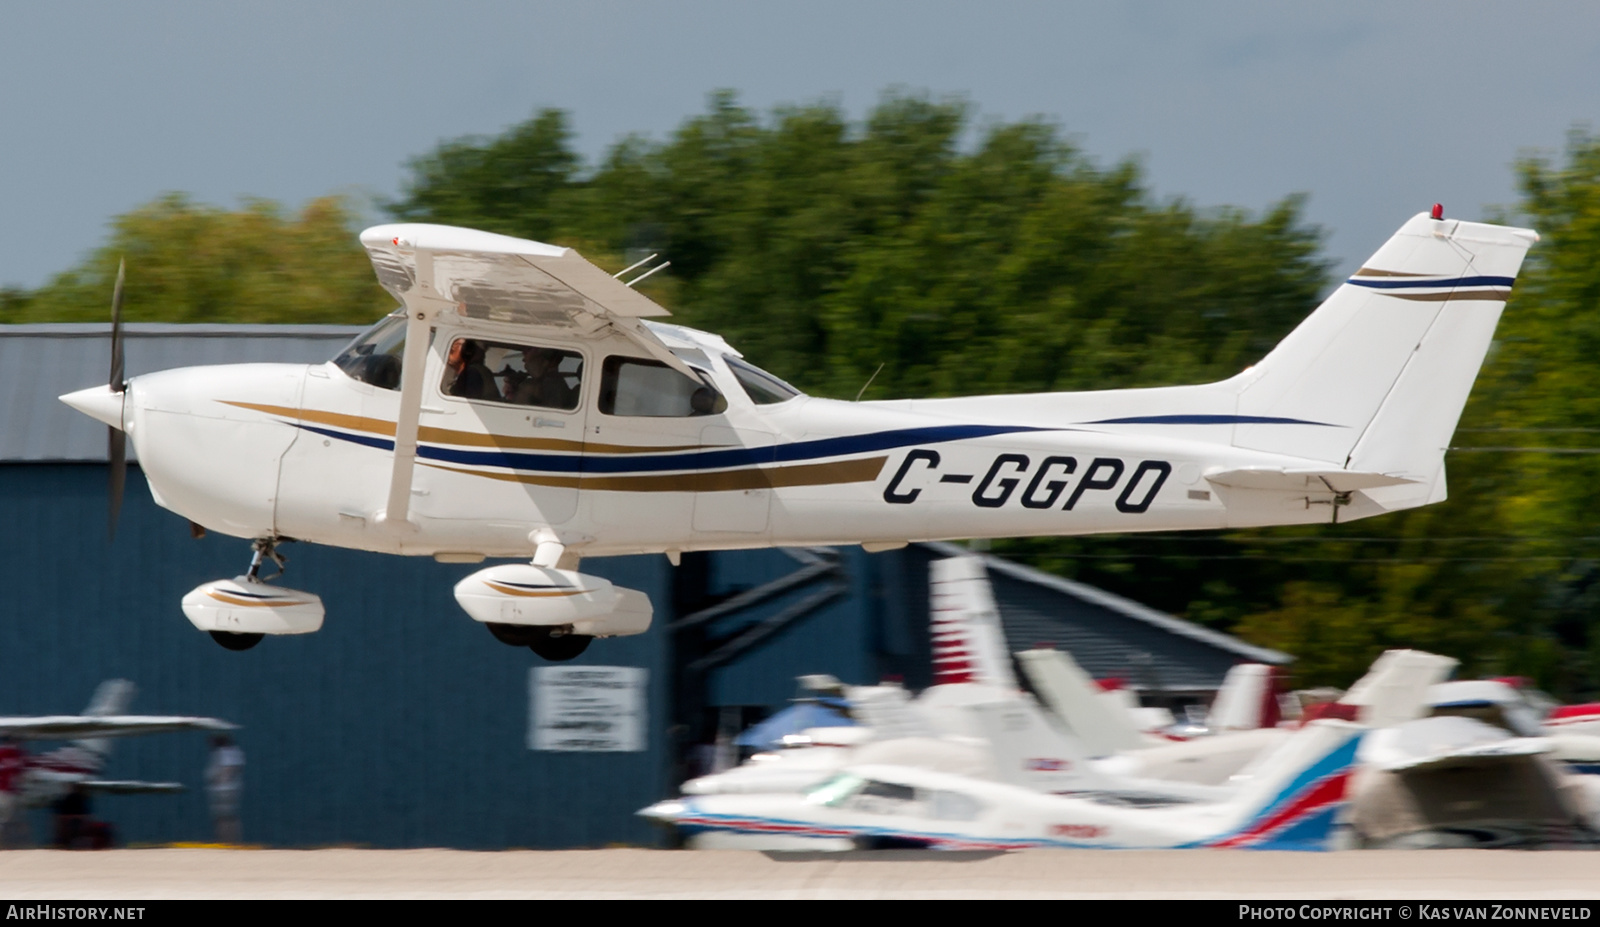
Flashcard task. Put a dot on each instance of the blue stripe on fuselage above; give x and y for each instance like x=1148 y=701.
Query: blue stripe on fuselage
x=697 y=460
x=1388 y=284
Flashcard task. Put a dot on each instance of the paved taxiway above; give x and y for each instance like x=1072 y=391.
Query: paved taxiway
x=635 y=873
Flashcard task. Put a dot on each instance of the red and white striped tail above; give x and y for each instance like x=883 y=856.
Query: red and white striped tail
x=968 y=643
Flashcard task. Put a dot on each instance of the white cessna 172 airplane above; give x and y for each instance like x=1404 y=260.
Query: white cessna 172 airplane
x=521 y=403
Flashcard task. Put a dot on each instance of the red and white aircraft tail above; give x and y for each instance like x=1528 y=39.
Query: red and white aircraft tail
x=969 y=646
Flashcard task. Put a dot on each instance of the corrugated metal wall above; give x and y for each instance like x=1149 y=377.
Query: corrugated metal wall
x=401 y=723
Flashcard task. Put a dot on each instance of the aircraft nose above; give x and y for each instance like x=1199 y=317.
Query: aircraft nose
x=666 y=812
x=99 y=403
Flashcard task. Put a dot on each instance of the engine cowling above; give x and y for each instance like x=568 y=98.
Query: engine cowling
x=524 y=594
x=242 y=606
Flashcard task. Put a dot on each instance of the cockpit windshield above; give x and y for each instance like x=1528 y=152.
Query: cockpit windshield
x=763 y=388
x=374 y=356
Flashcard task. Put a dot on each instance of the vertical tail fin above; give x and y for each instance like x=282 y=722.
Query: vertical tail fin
x=1247 y=700
x=1379 y=373
x=1395 y=689
x=1103 y=726
x=112 y=698
x=968 y=643
x=1288 y=799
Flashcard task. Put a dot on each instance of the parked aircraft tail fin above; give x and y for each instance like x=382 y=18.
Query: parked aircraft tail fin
x=1247 y=700
x=1375 y=379
x=969 y=645
x=1395 y=689
x=1288 y=799
x=1103 y=725
x=111 y=698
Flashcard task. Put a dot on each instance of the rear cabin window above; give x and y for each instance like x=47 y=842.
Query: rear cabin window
x=513 y=374
x=634 y=386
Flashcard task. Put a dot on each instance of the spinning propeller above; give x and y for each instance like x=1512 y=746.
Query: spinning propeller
x=117 y=440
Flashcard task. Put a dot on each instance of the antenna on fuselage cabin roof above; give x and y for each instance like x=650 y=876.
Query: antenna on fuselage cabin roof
x=618 y=274
x=864 y=386
x=662 y=266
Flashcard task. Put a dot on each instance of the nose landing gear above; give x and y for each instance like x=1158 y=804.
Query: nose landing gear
x=239 y=612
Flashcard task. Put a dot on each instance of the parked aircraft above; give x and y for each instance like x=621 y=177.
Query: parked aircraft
x=970 y=666
x=1288 y=801
x=522 y=403
x=36 y=780
x=1394 y=690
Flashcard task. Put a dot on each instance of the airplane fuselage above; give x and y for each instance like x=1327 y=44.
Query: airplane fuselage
x=306 y=452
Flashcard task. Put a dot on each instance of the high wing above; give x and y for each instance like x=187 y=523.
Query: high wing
x=73 y=727
x=437 y=270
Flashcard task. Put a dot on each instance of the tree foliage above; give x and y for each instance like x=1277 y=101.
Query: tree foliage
x=193 y=263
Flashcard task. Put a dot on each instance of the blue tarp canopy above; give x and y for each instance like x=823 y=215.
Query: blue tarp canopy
x=769 y=734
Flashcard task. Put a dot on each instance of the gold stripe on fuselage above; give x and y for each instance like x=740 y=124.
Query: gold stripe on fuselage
x=842 y=471
x=431 y=435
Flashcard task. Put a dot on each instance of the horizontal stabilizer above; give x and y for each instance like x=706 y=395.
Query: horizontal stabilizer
x=1295 y=480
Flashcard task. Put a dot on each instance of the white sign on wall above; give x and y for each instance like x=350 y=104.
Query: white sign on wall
x=587 y=708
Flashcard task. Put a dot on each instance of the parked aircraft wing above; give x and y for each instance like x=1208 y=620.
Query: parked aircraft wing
x=72 y=727
x=131 y=787
x=1446 y=742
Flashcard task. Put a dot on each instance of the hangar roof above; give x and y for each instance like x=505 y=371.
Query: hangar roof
x=1107 y=634
x=42 y=362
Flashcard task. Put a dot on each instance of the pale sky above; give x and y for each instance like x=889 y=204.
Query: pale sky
x=1376 y=110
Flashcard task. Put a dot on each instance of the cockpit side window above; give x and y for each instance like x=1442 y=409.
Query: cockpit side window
x=763 y=388
x=375 y=355
x=514 y=374
x=635 y=386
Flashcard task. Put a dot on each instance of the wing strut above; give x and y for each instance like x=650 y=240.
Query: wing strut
x=422 y=307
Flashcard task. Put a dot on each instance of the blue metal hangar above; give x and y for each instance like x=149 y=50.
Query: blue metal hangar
x=402 y=723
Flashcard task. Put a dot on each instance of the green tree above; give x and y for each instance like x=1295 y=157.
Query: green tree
x=193 y=263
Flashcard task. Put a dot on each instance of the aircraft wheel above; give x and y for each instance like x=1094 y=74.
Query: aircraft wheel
x=234 y=641
x=560 y=649
x=517 y=635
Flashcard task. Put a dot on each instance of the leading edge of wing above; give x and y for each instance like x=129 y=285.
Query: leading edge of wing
x=67 y=727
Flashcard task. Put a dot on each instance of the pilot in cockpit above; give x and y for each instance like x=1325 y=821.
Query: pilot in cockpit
x=544 y=384
x=466 y=376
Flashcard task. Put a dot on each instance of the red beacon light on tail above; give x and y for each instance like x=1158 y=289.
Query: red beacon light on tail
x=1438 y=211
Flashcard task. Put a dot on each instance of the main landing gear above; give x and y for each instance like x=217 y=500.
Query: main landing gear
x=556 y=644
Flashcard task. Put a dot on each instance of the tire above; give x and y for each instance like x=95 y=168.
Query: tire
x=233 y=641
x=516 y=635
x=561 y=649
